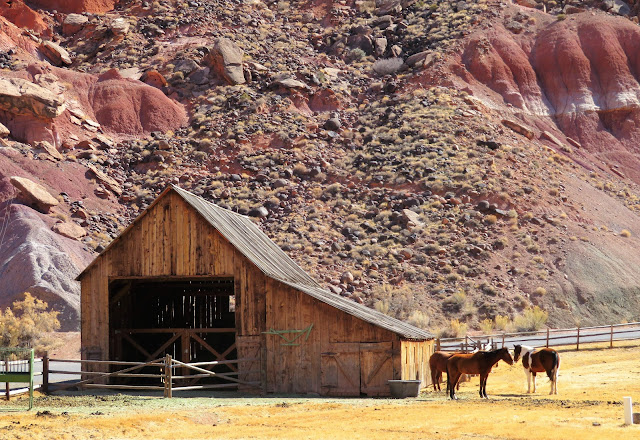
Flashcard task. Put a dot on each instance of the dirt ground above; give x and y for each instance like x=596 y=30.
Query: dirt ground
x=589 y=406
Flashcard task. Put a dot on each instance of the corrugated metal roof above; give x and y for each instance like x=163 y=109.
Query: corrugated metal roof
x=254 y=244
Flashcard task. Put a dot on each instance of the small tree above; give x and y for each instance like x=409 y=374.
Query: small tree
x=26 y=323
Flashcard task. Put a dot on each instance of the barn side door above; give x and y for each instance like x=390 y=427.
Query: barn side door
x=250 y=368
x=340 y=370
x=376 y=367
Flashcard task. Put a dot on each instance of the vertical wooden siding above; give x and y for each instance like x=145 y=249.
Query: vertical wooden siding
x=415 y=361
x=170 y=240
x=298 y=368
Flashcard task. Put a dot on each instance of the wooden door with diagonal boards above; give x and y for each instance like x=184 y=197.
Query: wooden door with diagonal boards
x=376 y=368
x=340 y=370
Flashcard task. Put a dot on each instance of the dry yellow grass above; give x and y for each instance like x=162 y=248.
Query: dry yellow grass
x=589 y=406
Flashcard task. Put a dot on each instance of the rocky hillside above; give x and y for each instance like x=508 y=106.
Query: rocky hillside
x=462 y=160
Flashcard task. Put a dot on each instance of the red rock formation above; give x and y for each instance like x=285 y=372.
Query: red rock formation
x=77 y=6
x=580 y=74
x=130 y=107
x=23 y=16
x=122 y=107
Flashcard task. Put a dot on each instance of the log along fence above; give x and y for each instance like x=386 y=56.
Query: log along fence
x=164 y=379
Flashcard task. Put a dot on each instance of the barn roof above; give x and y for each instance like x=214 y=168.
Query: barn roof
x=254 y=244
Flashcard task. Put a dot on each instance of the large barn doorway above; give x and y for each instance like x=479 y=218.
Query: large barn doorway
x=193 y=320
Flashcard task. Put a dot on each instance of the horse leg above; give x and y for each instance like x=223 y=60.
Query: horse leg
x=534 y=381
x=528 y=373
x=439 y=379
x=452 y=380
x=434 y=378
x=554 y=380
x=484 y=386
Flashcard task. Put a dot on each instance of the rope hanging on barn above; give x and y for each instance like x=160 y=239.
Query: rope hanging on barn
x=291 y=336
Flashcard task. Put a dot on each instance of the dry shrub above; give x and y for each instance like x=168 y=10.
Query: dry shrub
x=26 y=323
x=388 y=66
x=455 y=329
x=502 y=322
x=532 y=318
x=486 y=325
x=419 y=319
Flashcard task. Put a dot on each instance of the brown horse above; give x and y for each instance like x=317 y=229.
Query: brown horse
x=477 y=363
x=545 y=360
x=438 y=364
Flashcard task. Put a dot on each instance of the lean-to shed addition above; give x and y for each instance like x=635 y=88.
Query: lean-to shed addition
x=201 y=283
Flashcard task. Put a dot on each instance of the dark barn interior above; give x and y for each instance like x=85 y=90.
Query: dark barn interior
x=193 y=320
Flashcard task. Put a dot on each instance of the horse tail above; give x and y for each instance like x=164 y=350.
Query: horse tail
x=552 y=373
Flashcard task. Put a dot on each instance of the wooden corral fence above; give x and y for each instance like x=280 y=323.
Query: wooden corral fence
x=183 y=335
x=17 y=366
x=169 y=371
x=549 y=338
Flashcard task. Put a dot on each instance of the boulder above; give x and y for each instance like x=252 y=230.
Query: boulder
x=22 y=97
x=225 y=61
x=519 y=128
x=260 y=212
x=69 y=230
x=411 y=217
x=289 y=83
x=347 y=278
x=74 y=23
x=4 y=131
x=111 y=184
x=50 y=150
x=120 y=27
x=154 y=79
x=550 y=137
x=34 y=194
x=416 y=58
x=57 y=55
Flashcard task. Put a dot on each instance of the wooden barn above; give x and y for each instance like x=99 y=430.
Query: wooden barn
x=203 y=283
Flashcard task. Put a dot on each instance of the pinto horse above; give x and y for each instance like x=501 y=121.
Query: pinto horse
x=545 y=360
x=480 y=363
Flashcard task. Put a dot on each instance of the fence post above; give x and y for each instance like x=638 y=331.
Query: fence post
x=502 y=340
x=438 y=344
x=466 y=343
x=45 y=373
x=547 y=345
x=6 y=368
x=611 y=342
x=578 y=339
x=31 y=355
x=168 y=392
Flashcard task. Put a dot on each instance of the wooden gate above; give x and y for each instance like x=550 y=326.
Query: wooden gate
x=352 y=369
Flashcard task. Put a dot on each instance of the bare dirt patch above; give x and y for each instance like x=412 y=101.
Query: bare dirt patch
x=589 y=406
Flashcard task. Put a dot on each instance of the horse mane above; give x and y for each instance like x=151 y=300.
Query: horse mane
x=524 y=349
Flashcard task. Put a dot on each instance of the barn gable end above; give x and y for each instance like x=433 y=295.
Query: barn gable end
x=185 y=260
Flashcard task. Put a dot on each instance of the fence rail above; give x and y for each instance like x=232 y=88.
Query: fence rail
x=166 y=376
x=549 y=338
